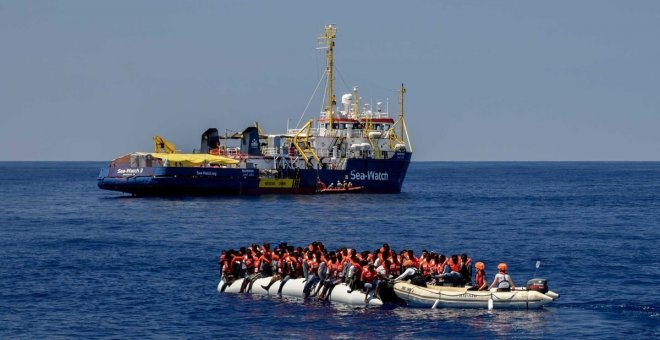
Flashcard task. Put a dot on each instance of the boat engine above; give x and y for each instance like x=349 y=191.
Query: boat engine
x=539 y=285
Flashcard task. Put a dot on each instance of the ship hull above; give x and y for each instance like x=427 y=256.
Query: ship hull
x=375 y=175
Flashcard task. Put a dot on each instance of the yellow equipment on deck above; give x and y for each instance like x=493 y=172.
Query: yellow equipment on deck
x=161 y=145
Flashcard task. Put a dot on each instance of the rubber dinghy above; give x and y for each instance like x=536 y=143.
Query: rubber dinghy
x=461 y=297
x=294 y=288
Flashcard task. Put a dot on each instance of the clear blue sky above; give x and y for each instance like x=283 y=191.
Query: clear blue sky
x=487 y=80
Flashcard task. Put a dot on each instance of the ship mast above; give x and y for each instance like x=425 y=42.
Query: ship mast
x=402 y=91
x=329 y=34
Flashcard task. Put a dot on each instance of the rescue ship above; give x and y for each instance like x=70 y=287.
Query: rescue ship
x=350 y=145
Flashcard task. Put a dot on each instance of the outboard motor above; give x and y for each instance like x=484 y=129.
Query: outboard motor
x=539 y=285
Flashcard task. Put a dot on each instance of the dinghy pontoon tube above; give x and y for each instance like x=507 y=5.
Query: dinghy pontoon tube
x=461 y=297
x=294 y=288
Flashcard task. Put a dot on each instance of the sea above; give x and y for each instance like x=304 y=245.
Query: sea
x=80 y=262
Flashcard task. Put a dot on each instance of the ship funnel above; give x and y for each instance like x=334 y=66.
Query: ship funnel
x=210 y=140
x=250 y=143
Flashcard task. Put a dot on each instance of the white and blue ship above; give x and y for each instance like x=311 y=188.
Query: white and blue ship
x=350 y=147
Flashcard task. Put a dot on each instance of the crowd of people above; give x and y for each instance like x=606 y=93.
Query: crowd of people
x=364 y=271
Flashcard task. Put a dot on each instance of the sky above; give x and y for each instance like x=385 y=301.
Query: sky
x=486 y=80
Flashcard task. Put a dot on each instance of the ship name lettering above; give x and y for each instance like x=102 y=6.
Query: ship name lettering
x=369 y=176
x=206 y=173
x=127 y=172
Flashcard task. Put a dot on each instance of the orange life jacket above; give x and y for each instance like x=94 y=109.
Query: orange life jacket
x=368 y=276
x=455 y=267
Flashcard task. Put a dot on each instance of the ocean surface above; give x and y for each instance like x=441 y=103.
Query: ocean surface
x=76 y=261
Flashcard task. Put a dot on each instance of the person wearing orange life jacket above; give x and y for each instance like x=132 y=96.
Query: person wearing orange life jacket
x=297 y=260
x=345 y=263
x=313 y=261
x=322 y=270
x=452 y=271
x=228 y=273
x=382 y=275
x=369 y=279
x=409 y=271
x=276 y=271
x=395 y=265
x=221 y=260
x=480 y=279
x=287 y=269
x=502 y=280
x=252 y=264
x=332 y=276
x=424 y=265
x=266 y=265
x=354 y=273
x=440 y=264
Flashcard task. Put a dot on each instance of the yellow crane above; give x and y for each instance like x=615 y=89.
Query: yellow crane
x=161 y=145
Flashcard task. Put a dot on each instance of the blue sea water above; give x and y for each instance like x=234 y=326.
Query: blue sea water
x=76 y=261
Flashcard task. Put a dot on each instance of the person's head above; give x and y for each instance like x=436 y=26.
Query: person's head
x=464 y=257
x=502 y=267
x=454 y=258
x=266 y=246
x=385 y=255
x=371 y=267
x=480 y=266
